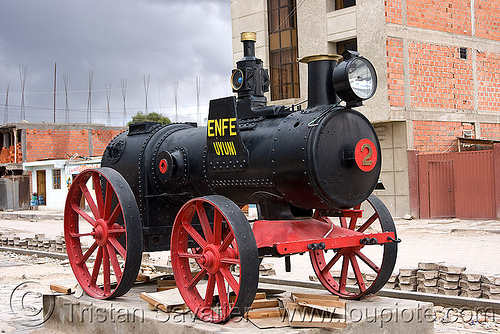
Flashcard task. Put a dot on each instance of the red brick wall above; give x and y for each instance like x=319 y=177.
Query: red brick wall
x=438 y=137
x=439 y=78
x=449 y=16
x=488 y=76
x=487 y=19
x=395 y=75
x=55 y=144
x=393 y=12
x=490 y=131
x=58 y=144
x=101 y=139
x=7 y=154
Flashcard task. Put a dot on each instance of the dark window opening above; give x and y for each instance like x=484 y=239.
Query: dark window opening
x=350 y=44
x=283 y=50
x=340 y=4
x=463 y=53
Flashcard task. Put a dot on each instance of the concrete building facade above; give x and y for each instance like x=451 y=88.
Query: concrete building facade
x=438 y=67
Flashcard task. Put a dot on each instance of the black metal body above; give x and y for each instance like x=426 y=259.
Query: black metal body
x=287 y=162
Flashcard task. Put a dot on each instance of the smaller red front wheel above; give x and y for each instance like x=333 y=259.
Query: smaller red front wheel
x=214 y=233
x=110 y=228
x=335 y=268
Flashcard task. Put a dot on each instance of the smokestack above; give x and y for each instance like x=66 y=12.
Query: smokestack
x=319 y=79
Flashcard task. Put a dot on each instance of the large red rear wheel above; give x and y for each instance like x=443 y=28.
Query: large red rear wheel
x=215 y=234
x=106 y=220
x=334 y=268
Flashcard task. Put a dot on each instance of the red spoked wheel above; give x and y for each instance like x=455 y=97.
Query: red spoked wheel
x=110 y=227
x=333 y=268
x=215 y=233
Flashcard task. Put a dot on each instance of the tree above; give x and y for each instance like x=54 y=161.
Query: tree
x=151 y=117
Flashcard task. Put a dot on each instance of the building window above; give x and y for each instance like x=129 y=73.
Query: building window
x=350 y=44
x=283 y=50
x=340 y=4
x=56 y=176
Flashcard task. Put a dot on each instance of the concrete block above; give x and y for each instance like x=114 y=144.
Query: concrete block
x=408 y=287
x=490 y=288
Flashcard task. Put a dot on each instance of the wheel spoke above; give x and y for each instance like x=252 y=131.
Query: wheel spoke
x=197 y=278
x=228 y=260
x=114 y=262
x=217 y=227
x=209 y=294
x=367 y=224
x=343 y=274
x=106 y=271
x=343 y=222
x=227 y=241
x=79 y=235
x=87 y=254
x=205 y=224
x=357 y=273
x=83 y=214
x=98 y=192
x=367 y=261
x=190 y=255
x=90 y=200
x=230 y=279
x=97 y=266
x=330 y=264
x=195 y=235
x=114 y=216
x=221 y=287
x=118 y=246
x=108 y=200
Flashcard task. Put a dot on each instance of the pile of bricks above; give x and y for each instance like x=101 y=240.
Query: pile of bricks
x=407 y=279
x=39 y=242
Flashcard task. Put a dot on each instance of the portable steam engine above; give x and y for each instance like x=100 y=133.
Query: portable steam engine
x=180 y=188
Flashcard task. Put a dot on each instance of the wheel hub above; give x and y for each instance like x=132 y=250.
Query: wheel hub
x=101 y=232
x=211 y=259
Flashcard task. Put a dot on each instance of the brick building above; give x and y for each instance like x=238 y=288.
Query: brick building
x=438 y=66
x=46 y=152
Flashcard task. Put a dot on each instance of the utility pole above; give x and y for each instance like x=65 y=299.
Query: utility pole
x=6 y=113
x=89 y=101
x=65 y=79
x=175 y=86
x=55 y=81
x=23 y=70
x=146 y=88
x=123 y=83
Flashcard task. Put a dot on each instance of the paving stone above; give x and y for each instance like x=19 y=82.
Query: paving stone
x=490 y=288
x=471 y=294
x=447 y=285
x=407 y=272
x=449 y=292
x=428 y=289
x=408 y=287
x=428 y=274
x=427 y=282
x=408 y=280
x=429 y=265
x=451 y=269
x=470 y=286
x=449 y=277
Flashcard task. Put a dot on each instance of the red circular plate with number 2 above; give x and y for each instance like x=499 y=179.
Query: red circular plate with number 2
x=365 y=155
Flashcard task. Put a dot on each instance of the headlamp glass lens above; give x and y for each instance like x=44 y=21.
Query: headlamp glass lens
x=361 y=78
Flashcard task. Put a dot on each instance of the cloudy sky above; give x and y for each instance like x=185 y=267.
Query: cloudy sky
x=169 y=41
